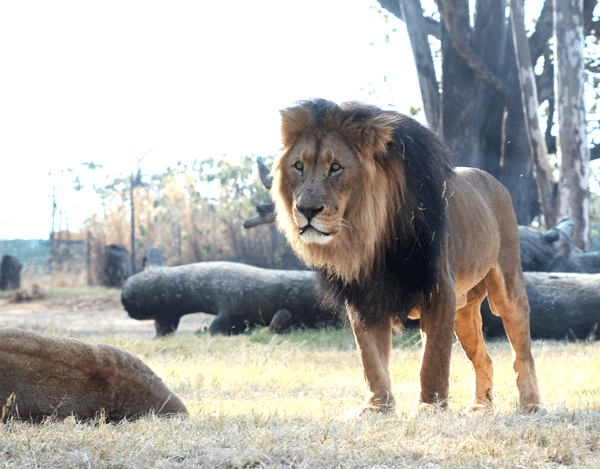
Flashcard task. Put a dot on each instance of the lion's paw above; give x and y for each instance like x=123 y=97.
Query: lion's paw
x=480 y=407
x=357 y=412
x=426 y=408
x=539 y=409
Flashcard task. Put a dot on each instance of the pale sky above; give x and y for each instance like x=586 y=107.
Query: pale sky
x=85 y=81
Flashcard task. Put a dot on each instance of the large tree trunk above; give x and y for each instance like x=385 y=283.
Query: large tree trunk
x=563 y=305
x=573 y=151
x=481 y=111
x=458 y=101
x=413 y=17
x=241 y=296
x=529 y=98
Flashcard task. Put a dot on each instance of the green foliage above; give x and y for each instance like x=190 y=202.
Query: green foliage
x=414 y=111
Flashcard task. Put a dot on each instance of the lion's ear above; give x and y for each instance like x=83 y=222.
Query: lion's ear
x=293 y=122
x=372 y=135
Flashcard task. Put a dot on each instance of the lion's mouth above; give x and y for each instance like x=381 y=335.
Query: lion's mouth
x=309 y=228
x=311 y=235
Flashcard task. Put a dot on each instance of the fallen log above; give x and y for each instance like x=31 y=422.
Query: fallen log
x=563 y=305
x=241 y=296
x=553 y=251
x=44 y=376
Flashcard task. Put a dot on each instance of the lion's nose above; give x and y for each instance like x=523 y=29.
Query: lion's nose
x=309 y=212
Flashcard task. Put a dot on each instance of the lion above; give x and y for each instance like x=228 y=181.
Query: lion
x=368 y=199
x=43 y=376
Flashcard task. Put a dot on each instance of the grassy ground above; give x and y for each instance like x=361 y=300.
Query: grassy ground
x=279 y=401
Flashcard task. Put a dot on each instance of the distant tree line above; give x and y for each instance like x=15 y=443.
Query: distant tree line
x=194 y=213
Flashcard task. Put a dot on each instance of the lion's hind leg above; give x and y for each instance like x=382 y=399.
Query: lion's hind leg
x=470 y=335
x=508 y=299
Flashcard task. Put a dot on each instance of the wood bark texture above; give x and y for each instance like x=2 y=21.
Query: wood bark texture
x=241 y=296
x=553 y=251
x=573 y=151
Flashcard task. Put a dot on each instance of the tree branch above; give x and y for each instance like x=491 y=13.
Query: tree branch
x=595 y=152
x=393 y=7
x=588 y=16
x=468 y=54
x=430 y=26
x=538 y=41
x=545 y=81
x=419 y=42
x=537 y=143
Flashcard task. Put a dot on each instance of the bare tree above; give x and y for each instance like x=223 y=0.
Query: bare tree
x=572 y=138
x=485 y=114
x=529 y=95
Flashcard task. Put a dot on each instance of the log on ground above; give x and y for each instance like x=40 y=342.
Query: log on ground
x=241 y=296
x=563 y=305
x=553 y=251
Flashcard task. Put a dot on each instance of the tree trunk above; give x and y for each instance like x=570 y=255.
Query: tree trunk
x=529 y=98
x=117 y=266
x=516 y=168
x=572 y=146
x=482 y=118
x=419 y=42
x=563 y=305
x=459 y=129
x=153 y=257
x=241 y=296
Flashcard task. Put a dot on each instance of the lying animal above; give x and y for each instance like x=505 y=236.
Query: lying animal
x=44 y=376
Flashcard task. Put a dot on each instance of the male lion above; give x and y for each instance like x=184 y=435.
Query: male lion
x=367 y=198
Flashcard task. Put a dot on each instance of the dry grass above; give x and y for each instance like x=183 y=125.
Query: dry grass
x=279 y=401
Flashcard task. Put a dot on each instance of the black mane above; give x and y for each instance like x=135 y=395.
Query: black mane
x=407 y=273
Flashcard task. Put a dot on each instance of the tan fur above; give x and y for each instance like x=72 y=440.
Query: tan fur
x=480 y=250
x=44 y=376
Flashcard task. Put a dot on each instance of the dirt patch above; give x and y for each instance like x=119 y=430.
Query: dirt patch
x=83 y=313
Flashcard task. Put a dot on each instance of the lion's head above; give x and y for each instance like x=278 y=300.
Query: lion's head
x=355 y=185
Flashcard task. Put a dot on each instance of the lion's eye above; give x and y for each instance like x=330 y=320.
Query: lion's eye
x=335 y=167
x=298 y=166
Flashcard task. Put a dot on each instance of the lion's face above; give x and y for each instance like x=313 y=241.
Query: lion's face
x=321 y=174
x=335 y=190
x=324 y=206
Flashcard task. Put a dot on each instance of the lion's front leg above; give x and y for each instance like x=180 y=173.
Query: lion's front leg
x=437 y=328
x=374 y=344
